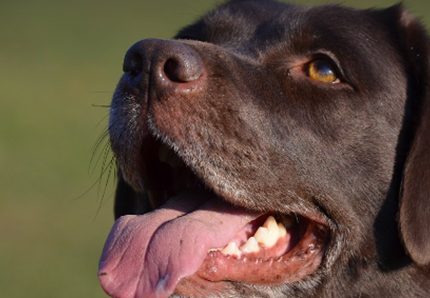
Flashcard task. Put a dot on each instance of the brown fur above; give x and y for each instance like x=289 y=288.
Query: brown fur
x=269 y=139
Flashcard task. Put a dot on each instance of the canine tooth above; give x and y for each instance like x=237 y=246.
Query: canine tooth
x=263 y=236
x=282 y=230
x=268 y=234
x=231 y=249
x=271 y=224
x=250 y=246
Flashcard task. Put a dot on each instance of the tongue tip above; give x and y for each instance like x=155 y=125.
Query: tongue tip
x=163 y=289
x=113 y=288
x=148 y=255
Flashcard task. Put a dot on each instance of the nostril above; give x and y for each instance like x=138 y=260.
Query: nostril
x=133 y=64
x=172 y=71
x=183 y=70
x=160 y=63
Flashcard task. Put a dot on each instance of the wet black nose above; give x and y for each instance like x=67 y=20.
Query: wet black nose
x=167 y=62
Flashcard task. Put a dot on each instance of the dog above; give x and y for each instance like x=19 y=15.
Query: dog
x=272 y=150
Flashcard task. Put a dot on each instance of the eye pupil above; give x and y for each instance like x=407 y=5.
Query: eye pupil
x=321 y=70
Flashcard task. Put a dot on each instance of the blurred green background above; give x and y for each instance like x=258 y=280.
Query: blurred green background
x=59 y=64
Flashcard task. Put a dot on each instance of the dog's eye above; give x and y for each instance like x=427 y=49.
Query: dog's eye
x=322 y=70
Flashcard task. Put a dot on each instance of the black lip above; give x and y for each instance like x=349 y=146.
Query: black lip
x=165 y=177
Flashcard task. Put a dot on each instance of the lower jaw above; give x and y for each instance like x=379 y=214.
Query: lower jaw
x=218 y=271
x=302 y=260
x=197 y=287
x=208 y=281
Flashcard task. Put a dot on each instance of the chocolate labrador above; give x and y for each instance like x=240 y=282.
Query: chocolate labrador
x=272 y=150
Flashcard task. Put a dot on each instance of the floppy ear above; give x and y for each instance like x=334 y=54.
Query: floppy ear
x=414 y=215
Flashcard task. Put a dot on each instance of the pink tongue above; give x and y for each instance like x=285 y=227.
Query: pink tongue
x=147 y=255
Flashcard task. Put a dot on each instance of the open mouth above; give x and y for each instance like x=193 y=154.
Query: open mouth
x=194 y=232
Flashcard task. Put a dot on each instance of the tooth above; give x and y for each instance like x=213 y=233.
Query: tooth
x=232 y=250
x=268 y=234
x=282 y=230
x=271 y=224
x=250 y=246
x=261 y=235
x=264 y=237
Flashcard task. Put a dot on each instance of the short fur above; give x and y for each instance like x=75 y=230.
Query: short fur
x=268 y=138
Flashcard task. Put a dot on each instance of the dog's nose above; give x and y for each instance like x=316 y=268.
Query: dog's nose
x=164 y=62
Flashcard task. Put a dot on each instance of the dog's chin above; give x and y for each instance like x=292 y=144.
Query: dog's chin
x=270 y=249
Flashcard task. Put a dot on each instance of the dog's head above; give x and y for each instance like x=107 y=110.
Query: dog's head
x=302 y=120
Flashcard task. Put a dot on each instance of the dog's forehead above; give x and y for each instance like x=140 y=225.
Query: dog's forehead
x=251 y=26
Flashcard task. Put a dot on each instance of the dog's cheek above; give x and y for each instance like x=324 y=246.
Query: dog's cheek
x=350 y=146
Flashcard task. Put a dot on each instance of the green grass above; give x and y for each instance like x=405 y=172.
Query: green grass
x=58 y=60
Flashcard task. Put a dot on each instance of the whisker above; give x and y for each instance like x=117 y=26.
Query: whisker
x=99 y=143
x=108 y=168
x=100 y=106
x=102 y=120
x=105 y=166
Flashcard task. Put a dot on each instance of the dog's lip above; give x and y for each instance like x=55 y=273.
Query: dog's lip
x=158 y=155
x=302 y=259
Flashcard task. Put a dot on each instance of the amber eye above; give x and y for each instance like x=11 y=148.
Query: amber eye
x=322 y=70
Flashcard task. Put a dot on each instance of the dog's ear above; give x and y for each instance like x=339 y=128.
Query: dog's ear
x=414 y=215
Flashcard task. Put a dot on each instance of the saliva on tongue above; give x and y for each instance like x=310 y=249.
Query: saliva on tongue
x=147 y=255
